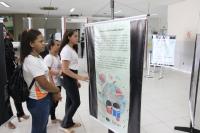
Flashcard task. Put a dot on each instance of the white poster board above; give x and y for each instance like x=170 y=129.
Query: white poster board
x=195 y=87
x=163 y=50
x=112 y=55
x=115 y=51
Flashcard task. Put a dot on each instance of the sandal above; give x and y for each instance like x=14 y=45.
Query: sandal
x=66 y=130
x=56 y=121
x=11 y=125
x=25 y=117
x=76 y=125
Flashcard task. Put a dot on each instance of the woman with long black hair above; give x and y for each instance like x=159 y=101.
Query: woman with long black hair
x=69 y=60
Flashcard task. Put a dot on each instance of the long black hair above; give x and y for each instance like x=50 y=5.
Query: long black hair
x=65 y=41
x=27 y=38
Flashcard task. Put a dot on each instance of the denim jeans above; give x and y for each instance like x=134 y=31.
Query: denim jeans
x=39 y=110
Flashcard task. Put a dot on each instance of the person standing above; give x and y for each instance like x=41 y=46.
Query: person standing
x=10 y=67
x=35 y=73
x=52 y=60
x=69 y=60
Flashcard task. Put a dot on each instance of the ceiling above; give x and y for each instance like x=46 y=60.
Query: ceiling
x=87 y=7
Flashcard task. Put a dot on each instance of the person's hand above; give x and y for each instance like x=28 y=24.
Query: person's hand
x=84 y=78
x=57 y=97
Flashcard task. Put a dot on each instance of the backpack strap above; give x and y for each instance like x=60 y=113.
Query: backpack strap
x=33 y=81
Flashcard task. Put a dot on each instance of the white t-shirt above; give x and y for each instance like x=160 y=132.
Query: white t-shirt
x=70 y=55
x=55 y=64
x=32 y=68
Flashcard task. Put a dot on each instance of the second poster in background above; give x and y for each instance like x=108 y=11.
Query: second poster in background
x=163 y=50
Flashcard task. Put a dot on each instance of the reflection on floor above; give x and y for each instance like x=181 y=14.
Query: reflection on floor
x=164 y=105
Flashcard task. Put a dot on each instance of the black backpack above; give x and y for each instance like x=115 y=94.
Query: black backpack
x=17 y=86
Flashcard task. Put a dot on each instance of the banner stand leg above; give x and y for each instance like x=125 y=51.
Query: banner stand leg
x=109 y=131
x=154 y=68
x=149 y=67
x=187 y=129
x=161 y=73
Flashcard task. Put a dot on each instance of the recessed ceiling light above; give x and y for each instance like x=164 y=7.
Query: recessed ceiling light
x=72 y=10
x=118 y=11
x=4 y=4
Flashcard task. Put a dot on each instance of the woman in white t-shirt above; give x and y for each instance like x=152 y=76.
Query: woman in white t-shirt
x=35 y=74
x=53 y=62
x=69 y=60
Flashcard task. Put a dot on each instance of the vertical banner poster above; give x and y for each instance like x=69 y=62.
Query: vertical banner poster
x=115 y=63
x=163 y=50
x=194 y=87
x=5 y=108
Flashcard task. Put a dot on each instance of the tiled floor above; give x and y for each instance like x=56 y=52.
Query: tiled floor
x=164 y=105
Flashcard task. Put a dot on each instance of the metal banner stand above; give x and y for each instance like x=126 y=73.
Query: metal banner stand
x=148 y=61
x=149 y=67
x=192 y=128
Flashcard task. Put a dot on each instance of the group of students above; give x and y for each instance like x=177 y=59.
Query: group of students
x=44 y=75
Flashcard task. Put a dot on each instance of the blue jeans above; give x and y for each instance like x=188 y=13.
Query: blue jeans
x=39 y=110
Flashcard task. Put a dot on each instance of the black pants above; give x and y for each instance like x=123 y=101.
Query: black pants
x=72 y=100
x=53 y=106
x=18 y=105
x=19 y=108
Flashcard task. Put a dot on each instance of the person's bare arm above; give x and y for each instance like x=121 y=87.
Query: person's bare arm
x=54 y=72
x=44 y=83
x=68 y=72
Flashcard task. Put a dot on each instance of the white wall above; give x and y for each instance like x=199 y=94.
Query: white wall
x=160 y=14
x=184 y=17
